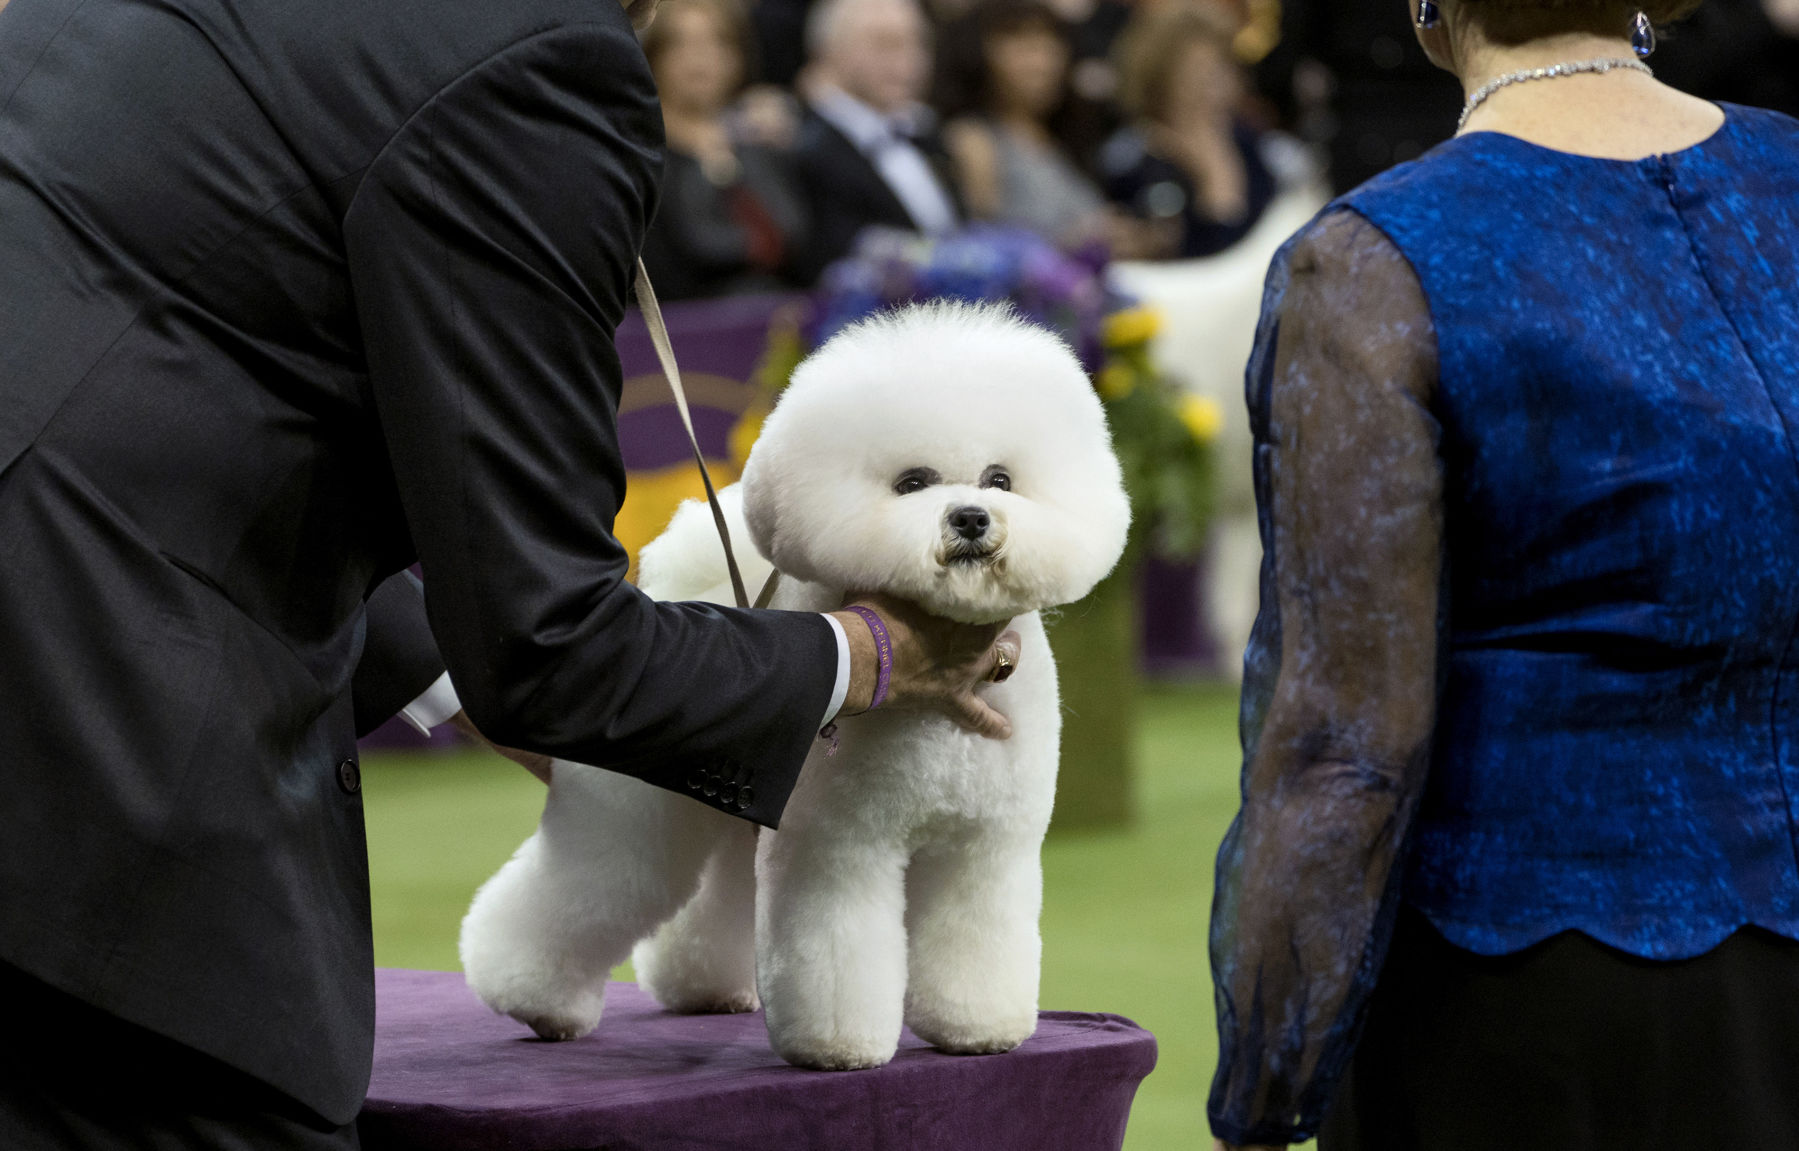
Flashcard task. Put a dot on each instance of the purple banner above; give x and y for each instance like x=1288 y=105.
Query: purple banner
x=719 y=344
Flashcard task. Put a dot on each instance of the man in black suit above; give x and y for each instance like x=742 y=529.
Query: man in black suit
x=291 y=295
x=867 y=151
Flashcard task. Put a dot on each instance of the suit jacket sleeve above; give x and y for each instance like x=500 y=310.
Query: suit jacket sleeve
x=843 y=193
x=399 y=656
x=490 y=248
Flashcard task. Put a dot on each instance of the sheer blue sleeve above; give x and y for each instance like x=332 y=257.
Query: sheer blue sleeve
x=1341 y=675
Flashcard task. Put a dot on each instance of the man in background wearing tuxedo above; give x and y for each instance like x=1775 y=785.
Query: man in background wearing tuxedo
x=291 y=296
x=867 y=152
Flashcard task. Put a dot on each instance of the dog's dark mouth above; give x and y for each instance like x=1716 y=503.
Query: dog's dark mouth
x=968 y=554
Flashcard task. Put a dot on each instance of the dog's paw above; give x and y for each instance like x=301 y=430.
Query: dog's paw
x=986 y=1037
x=555 y=1016
x=820 y=1054
x=977 y=1045
x=706 y=1001
x=557 y=1028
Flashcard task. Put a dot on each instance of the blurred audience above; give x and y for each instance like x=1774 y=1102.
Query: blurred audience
x=1004 y=86
x=779 y=27
x=1741 y=51
x=1187 y=165
x=868 y=153
x=732 y=218
x=1353 y=73
x=1125 y=122
x=1095 y=27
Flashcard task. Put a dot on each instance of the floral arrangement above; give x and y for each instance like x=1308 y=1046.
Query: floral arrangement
x=1164 y=436
x=1062 y=291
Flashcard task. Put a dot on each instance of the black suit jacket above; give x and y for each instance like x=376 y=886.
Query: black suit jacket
x=286 y=289
x=399 y=660
x=845 y=193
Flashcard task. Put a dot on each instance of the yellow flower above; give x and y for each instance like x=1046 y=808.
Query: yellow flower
x=1203 y=417
x=1116 y=381
x=1132 y=326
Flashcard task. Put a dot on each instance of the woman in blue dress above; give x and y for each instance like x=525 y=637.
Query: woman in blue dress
x=1517 y=864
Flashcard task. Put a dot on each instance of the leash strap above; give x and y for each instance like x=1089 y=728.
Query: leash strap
x=768 y=589
x=652 y=317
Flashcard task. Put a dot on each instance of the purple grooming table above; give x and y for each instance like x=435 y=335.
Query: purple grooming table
x=452 y=1076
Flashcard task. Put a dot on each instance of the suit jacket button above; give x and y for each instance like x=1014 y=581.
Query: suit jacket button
x=746 y=795
x=727 y=794
x=349 y=777
x=711 y=788
x=696 y=779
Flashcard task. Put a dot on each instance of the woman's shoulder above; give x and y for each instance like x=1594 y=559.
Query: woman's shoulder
x=1342 y=296
x=1768 y=135
x=1759 y=120
x=1469 y=185
x=1339 y=244
x=1454 y=161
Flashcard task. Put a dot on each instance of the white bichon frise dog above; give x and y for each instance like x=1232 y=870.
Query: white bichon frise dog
x=952 y=455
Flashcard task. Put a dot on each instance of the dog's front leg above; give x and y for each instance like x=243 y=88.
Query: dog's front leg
x=831 y=944
x=975 y=951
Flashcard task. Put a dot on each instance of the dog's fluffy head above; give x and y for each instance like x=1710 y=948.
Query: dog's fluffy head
x=950 y=454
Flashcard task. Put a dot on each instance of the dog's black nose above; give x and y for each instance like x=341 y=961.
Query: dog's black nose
x=970 y=523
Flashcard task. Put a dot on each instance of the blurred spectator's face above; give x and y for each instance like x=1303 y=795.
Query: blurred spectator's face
x=880 y=56
x=1203 y=82
x=699 y=66
x=1783 y=14
x=1029 y=66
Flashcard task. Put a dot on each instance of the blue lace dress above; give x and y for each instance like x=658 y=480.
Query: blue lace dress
x=1526 y=660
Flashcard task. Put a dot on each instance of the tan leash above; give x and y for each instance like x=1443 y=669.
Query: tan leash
x=652 y=318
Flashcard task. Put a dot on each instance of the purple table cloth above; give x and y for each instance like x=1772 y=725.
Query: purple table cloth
x=450 y=1075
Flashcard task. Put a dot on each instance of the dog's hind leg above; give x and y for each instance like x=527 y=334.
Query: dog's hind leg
x=612 y=858
x=704 y=959
x=975 y=951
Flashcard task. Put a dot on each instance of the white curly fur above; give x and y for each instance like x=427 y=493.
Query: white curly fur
x=905 y=883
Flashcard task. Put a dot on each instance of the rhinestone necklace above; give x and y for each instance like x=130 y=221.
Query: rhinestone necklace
x=1550 y=73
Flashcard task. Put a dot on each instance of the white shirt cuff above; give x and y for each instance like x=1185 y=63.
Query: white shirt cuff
x=841 y=688
x=437 y=704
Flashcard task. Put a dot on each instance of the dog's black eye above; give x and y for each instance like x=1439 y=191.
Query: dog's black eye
x=997 y=477
x=915 y=480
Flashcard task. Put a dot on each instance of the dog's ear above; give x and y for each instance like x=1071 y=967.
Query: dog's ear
x=758 y=506
x=761 y=487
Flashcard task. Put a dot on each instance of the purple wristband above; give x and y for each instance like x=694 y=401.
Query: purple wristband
x=883 y=649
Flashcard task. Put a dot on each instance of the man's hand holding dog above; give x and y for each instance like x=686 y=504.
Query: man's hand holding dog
x=937 y=663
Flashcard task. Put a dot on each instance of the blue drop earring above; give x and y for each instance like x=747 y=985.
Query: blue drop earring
x=1429 y=16
x=1642 y=36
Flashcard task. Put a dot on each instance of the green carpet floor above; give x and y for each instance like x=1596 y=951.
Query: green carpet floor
x=1123 y=919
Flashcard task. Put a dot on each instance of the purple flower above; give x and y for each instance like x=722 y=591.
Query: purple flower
x=1065 y=292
